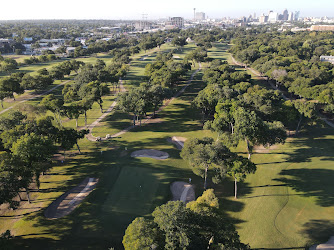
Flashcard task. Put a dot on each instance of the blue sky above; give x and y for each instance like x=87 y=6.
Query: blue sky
x=132 y=9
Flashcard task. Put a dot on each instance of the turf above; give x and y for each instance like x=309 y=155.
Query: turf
x=287 y=203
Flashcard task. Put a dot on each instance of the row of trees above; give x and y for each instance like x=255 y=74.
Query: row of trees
x=166 y=71
x=240 y=111
x=28 y=146
x=144 y=99
x=162 y=75
x=7 y=64
x=89 y=87
x=19 y=82
x=206 y=154
x=198 y=225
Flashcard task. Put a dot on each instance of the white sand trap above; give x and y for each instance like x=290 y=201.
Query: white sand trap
x=325 y=246
x=178 y=141
x=176 y=57
x=150 y=153
x=182 y=191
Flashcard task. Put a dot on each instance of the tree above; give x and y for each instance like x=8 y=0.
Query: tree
x=68 y=137
x=94 y=90
x=306 y=109
x=132 y=102
x=10 y=179
x=278 y=75
x=141 y=234
x=153 y=96
x=173 y=218
x=86 y=105
x=179 y=41
x=73 y=111
x=11 y=85
x=55 y=105
x=204 y=154
x=238 y=170
x=198 y=225
x=35 y=153
x=249 y=127
x=207 y=99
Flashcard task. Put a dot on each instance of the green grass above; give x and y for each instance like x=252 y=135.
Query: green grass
x=287 y=203
x=138 y=186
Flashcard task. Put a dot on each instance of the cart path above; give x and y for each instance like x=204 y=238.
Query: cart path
x=90 y=127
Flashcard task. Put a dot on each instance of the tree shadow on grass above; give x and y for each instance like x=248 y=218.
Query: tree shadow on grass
x=318 y=231
x=316 y=183
x=313 y=141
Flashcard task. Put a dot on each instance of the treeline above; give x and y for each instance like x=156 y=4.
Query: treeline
x=19 y=82
x=238 y=110
x=292 y=61
x=28 y=143
x=90 y=85
x=163 y=75
x=27 y=147
x=7 y=64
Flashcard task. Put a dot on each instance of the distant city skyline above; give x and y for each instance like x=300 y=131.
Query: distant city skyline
x=133 y=9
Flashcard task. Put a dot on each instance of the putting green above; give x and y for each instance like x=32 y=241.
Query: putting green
x=134 y=191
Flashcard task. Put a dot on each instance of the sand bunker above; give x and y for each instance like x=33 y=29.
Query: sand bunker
x=150 y=153
x=328 y=245
x=263 y=150
x=178 y=141
x=182 y=191
x=66 y=203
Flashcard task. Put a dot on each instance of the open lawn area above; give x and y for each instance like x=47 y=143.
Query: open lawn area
x=287 y=204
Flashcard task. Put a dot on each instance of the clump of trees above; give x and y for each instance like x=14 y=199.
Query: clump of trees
x=142 y=100
x=7 y=64
x=197 y=225
x=209 y=158
x=292 y=61
x=28 y=146
x=240 y=111
x=166 y=71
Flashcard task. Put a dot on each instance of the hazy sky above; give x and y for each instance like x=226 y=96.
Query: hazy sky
x=133 y=9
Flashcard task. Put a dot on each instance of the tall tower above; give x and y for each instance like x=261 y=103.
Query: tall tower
x=194 y=13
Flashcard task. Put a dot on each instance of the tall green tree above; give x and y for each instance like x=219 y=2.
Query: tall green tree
x=205 y=154
x=238 y=170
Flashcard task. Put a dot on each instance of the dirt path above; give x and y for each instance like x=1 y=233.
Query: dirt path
x=67 y=202
x=258 y=74
x=34 y=97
